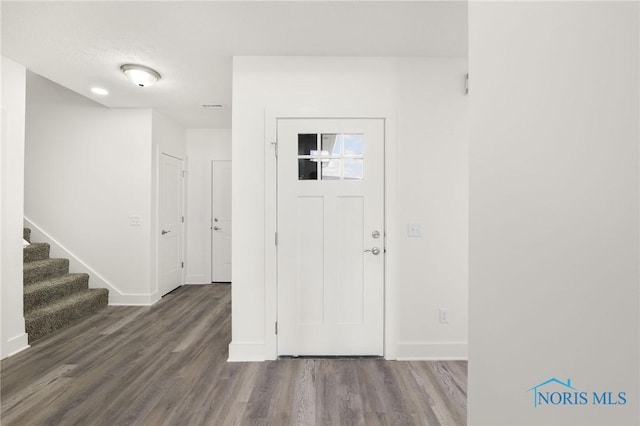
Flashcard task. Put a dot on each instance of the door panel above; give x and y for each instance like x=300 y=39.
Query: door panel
x=330 y=202
x=221 y=221
x=170 y=215
x=350 y=263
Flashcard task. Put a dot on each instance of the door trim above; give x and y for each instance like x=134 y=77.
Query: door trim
x=156 y=226
x=271 y=218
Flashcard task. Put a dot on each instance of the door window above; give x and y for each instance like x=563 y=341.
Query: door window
x=331 y=156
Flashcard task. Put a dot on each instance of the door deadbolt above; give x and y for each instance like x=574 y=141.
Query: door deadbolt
x=375 y=234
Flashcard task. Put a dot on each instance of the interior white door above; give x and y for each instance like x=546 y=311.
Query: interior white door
x=170 y=220
x=221 y=221
x=330 y=237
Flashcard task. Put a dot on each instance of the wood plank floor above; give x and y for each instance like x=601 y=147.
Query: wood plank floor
x=167 y=365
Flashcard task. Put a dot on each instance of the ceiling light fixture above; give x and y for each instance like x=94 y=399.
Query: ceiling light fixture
x=140 y=75
x=99 y=91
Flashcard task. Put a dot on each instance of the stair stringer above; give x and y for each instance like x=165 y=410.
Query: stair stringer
x=116 y=297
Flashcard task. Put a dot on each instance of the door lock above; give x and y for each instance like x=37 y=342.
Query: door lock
x=375 y=251
x=375 y=234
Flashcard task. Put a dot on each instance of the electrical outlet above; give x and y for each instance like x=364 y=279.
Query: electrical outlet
x=414 y=230
x=444 y=315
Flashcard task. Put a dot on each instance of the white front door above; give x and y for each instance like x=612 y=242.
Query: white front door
x=170 y=220
x=330 y=236
x=221 y=221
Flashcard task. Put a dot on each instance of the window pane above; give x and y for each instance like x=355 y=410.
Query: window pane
x=330 y=169
x=330 y=144
x=307 y=143
x=353 y=144
x=307 y=169
x=354 y=169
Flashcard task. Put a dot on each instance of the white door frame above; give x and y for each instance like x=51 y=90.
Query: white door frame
x=390 y=215
x=157 y=226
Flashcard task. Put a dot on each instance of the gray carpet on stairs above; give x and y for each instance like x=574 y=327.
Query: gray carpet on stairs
x=54 y=298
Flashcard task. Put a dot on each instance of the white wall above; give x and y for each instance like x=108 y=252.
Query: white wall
x=169 y=136
x=424 y=99
x=12 y=99
x=203 y=146
x=553 y=209
x=87 y=170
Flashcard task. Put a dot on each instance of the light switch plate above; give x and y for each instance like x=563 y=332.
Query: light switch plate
x=135 y=220
x=414 y=230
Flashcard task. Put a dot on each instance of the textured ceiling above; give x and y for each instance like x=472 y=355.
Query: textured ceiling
x=82 y=44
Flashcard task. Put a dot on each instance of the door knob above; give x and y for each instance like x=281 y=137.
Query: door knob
x=164 y=232
x=215 y=228
x=375 y=251
x=215 y=219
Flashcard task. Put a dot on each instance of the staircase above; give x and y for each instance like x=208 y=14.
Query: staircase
x=54 y=298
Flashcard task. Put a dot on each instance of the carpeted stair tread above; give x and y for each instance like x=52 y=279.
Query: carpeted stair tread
x=40 y=270
x=35 y=251
x=54 y=298
x=42 y=321
x=41 y=293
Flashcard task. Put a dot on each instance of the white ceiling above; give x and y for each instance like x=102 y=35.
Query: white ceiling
x=82 y=44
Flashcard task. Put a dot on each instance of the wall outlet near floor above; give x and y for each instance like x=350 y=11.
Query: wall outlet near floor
x=444 y=315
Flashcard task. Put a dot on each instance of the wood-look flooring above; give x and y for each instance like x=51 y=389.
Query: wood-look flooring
x=167 y=365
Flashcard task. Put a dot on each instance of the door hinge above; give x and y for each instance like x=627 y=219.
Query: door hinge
x=276 y=238
x=276 y=327
x=275 y=148
x=182 y=219
x=466 y=84
x=184 y=173
x=182 y=264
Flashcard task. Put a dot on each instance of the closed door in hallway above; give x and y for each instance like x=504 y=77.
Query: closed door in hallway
x=221 y=221
x=170 y=219
x=330 y=236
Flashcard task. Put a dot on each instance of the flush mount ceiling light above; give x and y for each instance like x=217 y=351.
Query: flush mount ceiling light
x=140 y=75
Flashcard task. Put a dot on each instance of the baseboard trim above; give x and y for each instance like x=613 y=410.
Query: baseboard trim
x=116 y=297
x=246 y=352
x=131 y=299
x=433 y=351
x=196 y=279
x=15 y=345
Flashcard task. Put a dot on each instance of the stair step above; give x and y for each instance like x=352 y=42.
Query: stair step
x=35 y=251
x=26 y=234
x=41 y=293
x=43 y=321
x=41 y=270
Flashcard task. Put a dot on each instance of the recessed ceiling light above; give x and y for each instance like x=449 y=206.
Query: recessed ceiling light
x=212 y=105
x=99 y=91
x=140 y=75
